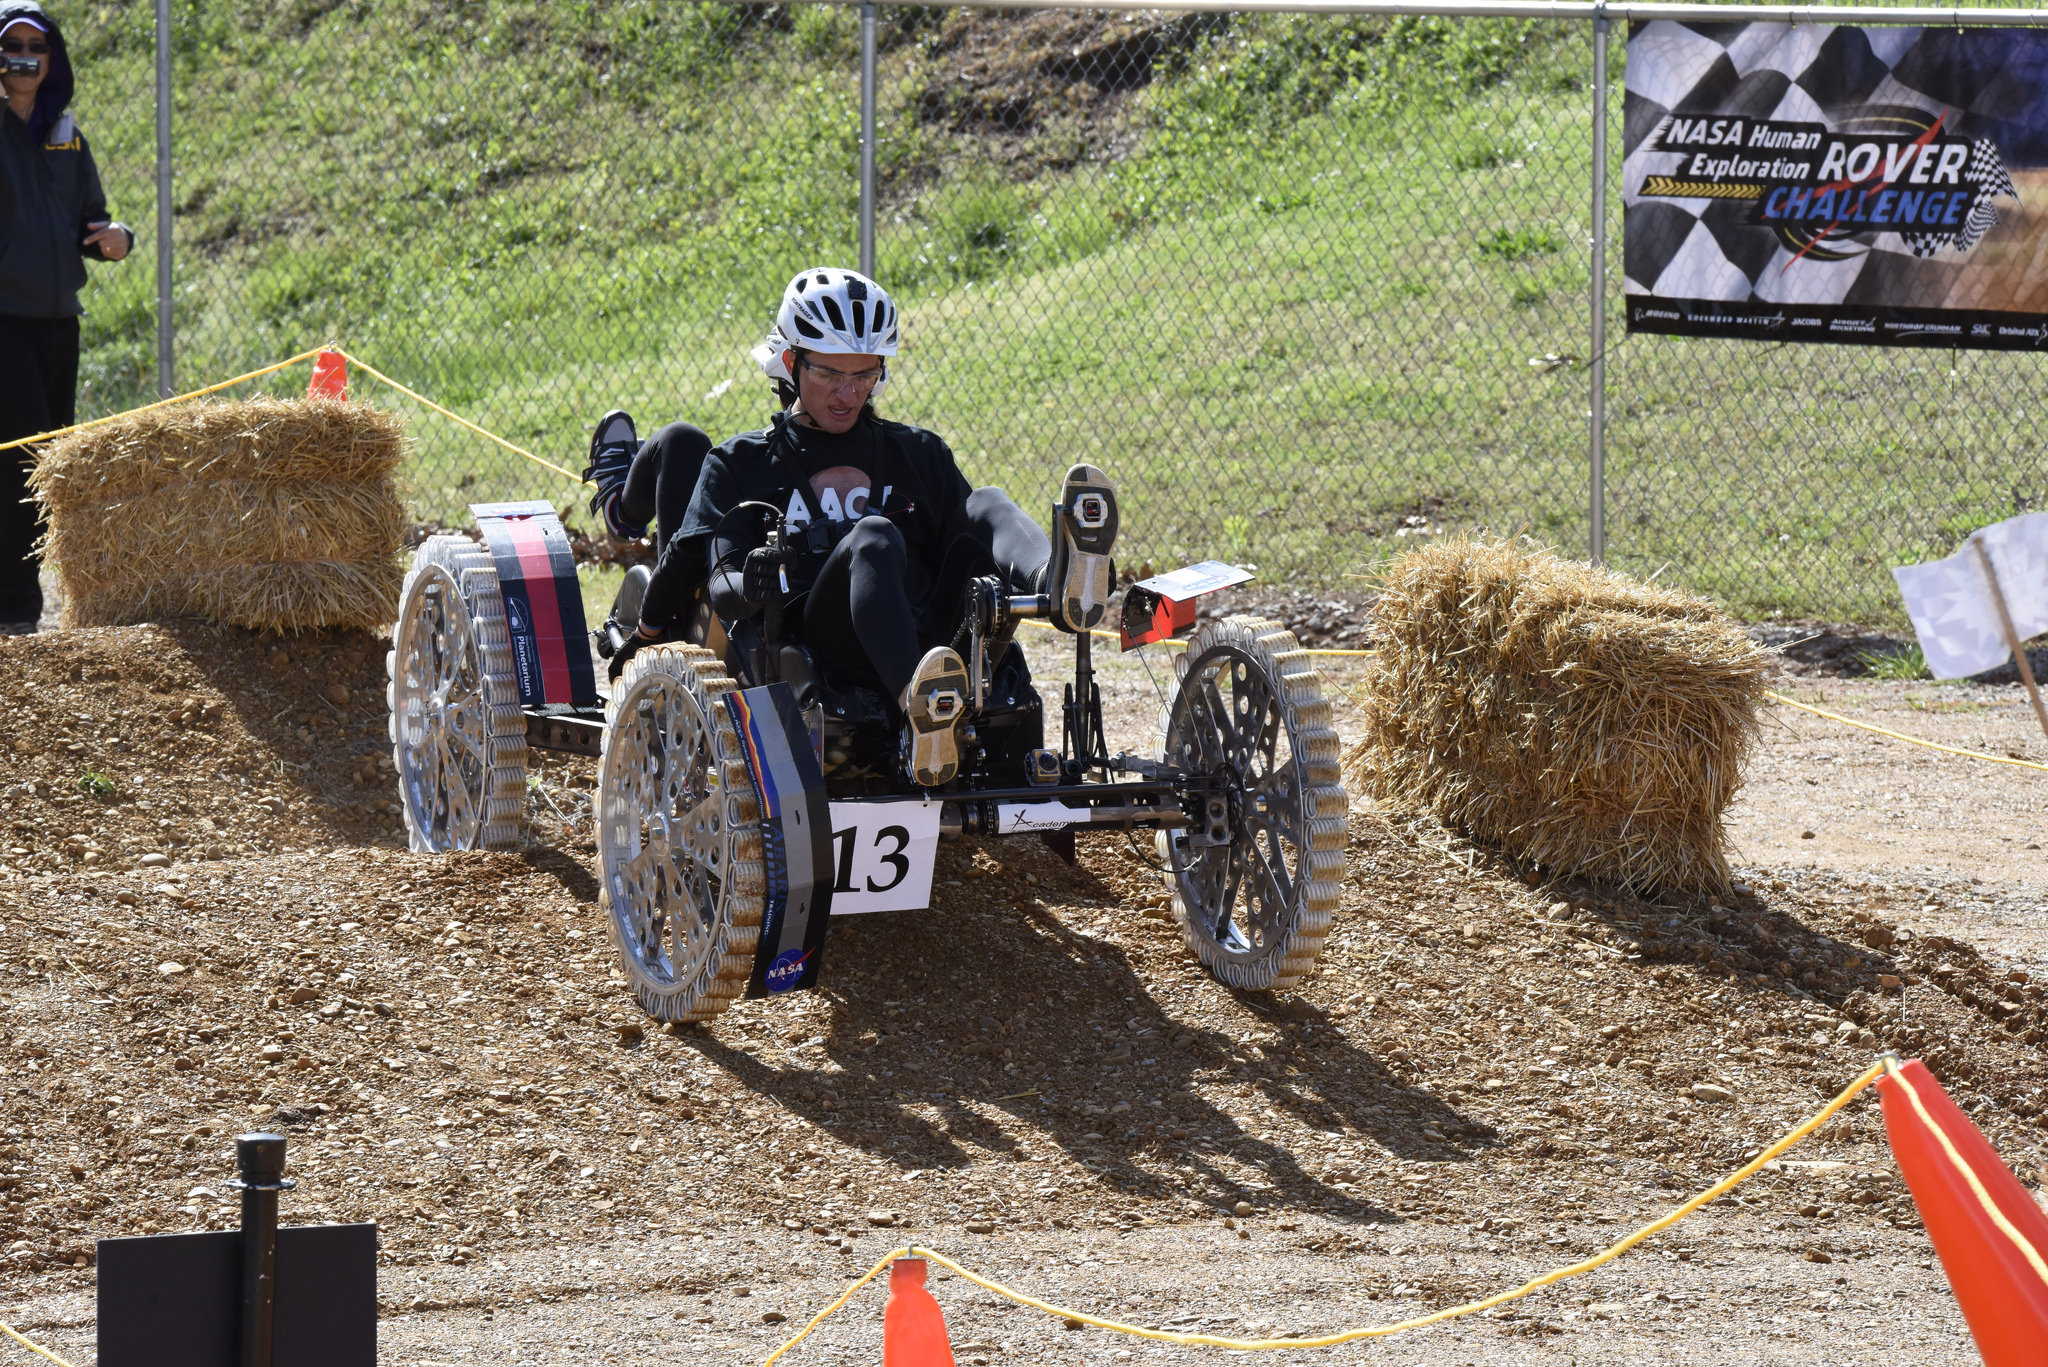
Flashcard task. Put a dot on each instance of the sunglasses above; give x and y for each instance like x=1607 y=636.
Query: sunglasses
x=32 y=49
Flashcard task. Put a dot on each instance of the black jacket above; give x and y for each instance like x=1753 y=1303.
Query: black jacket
x=49 y=191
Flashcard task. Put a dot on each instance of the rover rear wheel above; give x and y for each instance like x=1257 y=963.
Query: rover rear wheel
x=458 y=738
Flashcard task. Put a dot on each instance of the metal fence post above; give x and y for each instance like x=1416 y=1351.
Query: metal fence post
x=867 y=140
x=164 y=332
x=1597 y=379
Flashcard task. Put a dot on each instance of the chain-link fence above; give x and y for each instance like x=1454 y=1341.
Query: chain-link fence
x=1309 y=287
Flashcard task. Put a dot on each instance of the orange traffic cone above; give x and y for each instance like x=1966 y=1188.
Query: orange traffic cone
x=913 y=1330
x=1997 y=1265
x=330 y=376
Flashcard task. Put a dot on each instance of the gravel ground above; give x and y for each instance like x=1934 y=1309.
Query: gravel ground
x=1485 y=1080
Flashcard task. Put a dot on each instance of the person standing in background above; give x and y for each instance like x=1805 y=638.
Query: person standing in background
x=53 y=215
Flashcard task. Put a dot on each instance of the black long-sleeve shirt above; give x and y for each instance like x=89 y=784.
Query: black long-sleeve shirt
x=901 y=472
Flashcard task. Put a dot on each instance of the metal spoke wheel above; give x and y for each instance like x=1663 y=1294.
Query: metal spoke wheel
x=458 y=738
x=679 y=856
x=1255 y=881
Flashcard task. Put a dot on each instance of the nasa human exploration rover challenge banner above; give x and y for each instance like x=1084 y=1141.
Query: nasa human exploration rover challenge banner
x=1804 y=182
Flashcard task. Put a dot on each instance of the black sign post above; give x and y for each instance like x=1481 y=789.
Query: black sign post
x=260 y=1160
x=257 y=1297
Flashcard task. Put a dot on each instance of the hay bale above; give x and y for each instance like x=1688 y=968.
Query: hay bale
x=270 y=513
x=1566 y=715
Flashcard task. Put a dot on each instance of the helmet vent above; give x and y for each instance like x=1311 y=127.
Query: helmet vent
x=831 y=307
x=860 y=322
x=809 y=329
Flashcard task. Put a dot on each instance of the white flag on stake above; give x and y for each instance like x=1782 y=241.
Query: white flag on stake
x=1951 y=605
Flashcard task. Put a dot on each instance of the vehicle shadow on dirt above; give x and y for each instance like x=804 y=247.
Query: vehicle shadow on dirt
x=997 y=998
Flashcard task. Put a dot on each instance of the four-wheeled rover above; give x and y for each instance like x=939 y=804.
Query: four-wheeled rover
x=745 y=793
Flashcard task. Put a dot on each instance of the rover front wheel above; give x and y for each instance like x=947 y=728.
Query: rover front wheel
x=679 y=852
x=1255 y=878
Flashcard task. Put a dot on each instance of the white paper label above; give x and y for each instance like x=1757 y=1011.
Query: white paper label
x=1195 y=580
x=1012 y=817
x=882 y=855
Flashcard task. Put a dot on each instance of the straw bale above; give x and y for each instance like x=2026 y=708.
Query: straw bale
x=1569 y=716
x=271 y=513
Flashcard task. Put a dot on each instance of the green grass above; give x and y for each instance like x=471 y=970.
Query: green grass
x=600 y=584
x=1907 y=663
x=1287 y=292
x=93 y=783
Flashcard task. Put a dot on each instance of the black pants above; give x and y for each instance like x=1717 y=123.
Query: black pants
x=663 y=477
x=872 y=613
x=38 y=393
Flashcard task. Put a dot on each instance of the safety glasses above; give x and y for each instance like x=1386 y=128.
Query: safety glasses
x=840 y=379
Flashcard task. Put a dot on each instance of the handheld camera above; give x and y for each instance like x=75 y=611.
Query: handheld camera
x=23 y=66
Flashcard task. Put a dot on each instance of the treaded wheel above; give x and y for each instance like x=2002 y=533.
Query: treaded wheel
x=679 y=853
x=1254 y=901
x=458 y=738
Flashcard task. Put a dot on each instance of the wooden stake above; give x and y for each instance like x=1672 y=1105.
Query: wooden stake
x=2012 y=637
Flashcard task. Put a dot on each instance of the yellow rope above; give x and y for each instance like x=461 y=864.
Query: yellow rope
x=352 y=359
x=1176 y=640
x=165 y=403
x=1899 y=735
x=458 y=418
x=1607 y=1255
x=32 y=1347
x=819 y=1318
x=2005 y=1226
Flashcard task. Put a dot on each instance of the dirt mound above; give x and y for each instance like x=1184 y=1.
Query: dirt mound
x=446 y=1043
x=188 y=742
x=1009 y=75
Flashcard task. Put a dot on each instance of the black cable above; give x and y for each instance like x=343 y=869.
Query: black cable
x=723 y=562
x=1144 y=856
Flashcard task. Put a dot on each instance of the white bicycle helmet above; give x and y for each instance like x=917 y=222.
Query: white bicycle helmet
x=832 y=311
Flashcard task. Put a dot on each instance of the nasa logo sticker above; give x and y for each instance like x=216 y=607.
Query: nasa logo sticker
x=787 y=970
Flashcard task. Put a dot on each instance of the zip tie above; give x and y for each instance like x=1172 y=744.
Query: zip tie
x=2005 y=1226
x=1898 y=735
x=32 y=1347
x=163 y=403
x=1607 y=1255
x=456 y=417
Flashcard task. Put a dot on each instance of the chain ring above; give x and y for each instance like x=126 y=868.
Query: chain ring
x=458 y=737
x=679 y=854
x=1249 y=709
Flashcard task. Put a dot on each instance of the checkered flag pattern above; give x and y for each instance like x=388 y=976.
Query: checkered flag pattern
x=1848 y=78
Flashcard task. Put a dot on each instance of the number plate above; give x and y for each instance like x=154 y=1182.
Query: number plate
x=883 y=853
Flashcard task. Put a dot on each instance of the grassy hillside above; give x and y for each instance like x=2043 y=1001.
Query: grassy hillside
x=1305 y=286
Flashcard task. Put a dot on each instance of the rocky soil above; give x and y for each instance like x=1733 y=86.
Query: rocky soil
x=206 y=924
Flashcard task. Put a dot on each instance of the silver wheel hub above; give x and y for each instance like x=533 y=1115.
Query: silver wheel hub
x=661 y=831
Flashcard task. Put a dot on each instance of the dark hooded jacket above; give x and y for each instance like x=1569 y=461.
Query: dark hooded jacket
x=49 y=191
